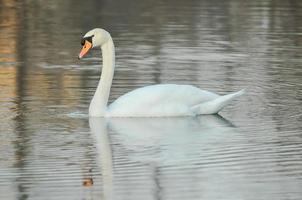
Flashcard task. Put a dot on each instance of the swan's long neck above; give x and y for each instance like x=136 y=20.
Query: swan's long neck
x=99 y=102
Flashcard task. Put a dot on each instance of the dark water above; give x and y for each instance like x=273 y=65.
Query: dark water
x=49 y=149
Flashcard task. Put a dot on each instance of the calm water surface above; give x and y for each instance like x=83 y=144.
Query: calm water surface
x=50 y=149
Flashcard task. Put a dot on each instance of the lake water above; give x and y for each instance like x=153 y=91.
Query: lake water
x=50 y=149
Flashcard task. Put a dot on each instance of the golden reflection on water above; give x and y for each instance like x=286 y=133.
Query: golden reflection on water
x=8 y=51
x=8 y=24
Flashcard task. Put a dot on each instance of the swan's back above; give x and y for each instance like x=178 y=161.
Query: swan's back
x=159 y=100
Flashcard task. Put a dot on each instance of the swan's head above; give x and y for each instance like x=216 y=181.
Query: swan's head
x=93 y=38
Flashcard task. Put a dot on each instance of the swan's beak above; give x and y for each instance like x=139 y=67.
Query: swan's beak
x=86 y=47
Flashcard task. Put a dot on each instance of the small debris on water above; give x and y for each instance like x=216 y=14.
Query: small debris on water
x=88 y=182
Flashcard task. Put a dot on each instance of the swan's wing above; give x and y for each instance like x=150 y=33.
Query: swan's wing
x=214 y=106
x=160 y=100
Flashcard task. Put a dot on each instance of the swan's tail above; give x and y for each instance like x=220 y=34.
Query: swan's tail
x=215 y=105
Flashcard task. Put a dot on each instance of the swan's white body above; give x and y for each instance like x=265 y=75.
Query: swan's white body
x=167 y=100
x=151 y=101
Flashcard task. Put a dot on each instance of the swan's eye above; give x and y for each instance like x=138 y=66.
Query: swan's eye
x=89 y=39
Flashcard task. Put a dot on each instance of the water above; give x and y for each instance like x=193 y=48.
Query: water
x=51 y=150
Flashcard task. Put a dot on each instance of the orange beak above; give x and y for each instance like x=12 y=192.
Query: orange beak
x=86 y=47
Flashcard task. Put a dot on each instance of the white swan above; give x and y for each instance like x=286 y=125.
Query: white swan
x=151 y=101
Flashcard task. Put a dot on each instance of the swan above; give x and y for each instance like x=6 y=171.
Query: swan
x=161 y=100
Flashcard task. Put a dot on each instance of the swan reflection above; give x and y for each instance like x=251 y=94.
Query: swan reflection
x=166 y=136
x=156 y=142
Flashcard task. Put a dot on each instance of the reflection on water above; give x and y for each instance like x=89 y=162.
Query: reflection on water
x=184 y=158
x=48 y=150
x=129 y=146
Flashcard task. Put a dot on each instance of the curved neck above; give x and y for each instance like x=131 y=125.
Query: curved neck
x=99 y=102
